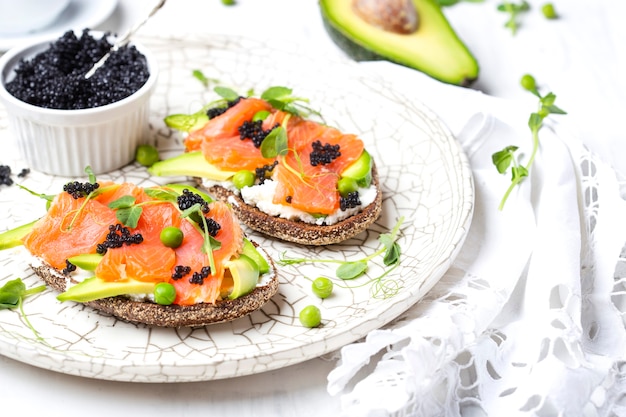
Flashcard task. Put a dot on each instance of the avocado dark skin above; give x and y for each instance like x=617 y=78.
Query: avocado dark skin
x=427 y=43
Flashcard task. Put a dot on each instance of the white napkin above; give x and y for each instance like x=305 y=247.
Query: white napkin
x=503 y=330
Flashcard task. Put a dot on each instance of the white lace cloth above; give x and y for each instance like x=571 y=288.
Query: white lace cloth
x=530 y=318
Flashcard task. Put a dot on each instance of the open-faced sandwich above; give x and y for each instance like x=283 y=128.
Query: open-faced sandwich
x=285 y=175
x=165 y=256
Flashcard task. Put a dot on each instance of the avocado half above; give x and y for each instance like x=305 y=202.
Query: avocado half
x=433 y=48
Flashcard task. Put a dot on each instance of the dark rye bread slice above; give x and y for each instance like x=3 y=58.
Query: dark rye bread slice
x=297 y=231
x=153 y=314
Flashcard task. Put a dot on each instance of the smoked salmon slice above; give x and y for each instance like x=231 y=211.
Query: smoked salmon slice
x=88 y=225
x=301 y=184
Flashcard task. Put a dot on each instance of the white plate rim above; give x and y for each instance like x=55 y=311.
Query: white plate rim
x=18 y=347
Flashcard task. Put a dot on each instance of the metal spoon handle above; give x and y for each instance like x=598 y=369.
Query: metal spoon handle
x=123 y=40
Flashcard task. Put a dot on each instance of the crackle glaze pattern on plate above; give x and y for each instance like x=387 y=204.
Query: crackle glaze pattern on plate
x=425 y=178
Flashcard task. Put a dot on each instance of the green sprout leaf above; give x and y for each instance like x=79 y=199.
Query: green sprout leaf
x=351 y=269
x=12 y=295
x=162 y=194
x=507 y=157
x=275 y=143
x=92 y=176
x=129 y=216
x=122 y=202
x=199 y=75
x=187 y=122
x=281 y=98
x=126 y=211
x=226 y=93
x=513 y=10
x=503 y=159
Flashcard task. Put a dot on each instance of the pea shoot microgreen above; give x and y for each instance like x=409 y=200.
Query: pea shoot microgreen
x=199 y=75
x=47 y=197
x=281 y=98
x=126 y=211
x=513 y=10
x=507 y=157
x=276 y=143
x=350 y=270
x=12 y=295
x=210 y=243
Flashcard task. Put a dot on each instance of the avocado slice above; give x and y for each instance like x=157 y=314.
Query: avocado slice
x=13 y=237
x=95 y=288
x=86 y=261
x=360 y=170
x=433 y=48
x=245 y=273
x=253 y=253
x=191 y=164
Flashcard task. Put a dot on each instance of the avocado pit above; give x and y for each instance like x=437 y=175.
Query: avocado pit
x=396 y=16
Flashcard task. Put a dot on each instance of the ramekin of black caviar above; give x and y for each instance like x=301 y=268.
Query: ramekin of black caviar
x=63 y=122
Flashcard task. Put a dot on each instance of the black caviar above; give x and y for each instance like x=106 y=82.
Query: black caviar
x=350 y=201
x=188 y=199
x=264 y=172
x=198 y=277
x=254 y=131
x=212 y=227
x=180 y=271
x=55 y=78
x=5 y=175
x=217 y=111
x=69 y=267
x=117 y=237
x=80 y=189
x=324 y=154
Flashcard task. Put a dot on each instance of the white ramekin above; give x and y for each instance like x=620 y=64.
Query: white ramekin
x=23 y=16
x=64 y=142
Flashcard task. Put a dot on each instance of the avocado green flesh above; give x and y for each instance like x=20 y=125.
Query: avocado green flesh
x=12 y=238
x=191 y=164
x=245 y=273
x=434 y=48
x=87 y=261
x=360 y=170
x=95 y=288
x=250 y=251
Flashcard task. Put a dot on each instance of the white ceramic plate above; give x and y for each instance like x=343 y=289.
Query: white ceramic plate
x=425 y=175
x=79 y=14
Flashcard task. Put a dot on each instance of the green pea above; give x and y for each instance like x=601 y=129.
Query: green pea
x=310 y=316
x=322 y=287
x=346 y=186
x=548 y=11
x=147 y=155
x=528 y=82
x=164 y=293
x=171 y=236
x=260 y=115
x=243 y=178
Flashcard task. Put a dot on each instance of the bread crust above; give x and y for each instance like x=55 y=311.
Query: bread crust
x=153 y=314
x=297 y=231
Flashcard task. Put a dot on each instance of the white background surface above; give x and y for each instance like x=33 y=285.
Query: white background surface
x=580 y=57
